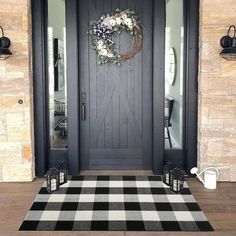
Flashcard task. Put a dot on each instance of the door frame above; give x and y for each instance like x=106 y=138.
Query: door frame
x=39 y=46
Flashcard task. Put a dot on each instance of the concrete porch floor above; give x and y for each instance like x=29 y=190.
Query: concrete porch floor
x=218 y=205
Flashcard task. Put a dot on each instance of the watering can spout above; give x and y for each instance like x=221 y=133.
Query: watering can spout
x=194 y=171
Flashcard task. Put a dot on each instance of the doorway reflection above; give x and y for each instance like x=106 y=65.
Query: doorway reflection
x=57 y=74
x=174 y=74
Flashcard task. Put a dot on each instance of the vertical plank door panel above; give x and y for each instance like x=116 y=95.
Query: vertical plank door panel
x=117 y=132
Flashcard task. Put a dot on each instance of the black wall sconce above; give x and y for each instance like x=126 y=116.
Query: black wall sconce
x=5 y=43
x=229 y=45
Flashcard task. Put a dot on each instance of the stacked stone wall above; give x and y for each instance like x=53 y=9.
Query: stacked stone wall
x=217 y=90
x=16 y=120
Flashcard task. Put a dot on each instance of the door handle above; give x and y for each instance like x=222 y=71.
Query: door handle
x=83 y=106
x=83 y=111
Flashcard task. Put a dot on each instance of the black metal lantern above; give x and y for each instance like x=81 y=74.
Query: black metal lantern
x=229 y=45
x=176 y=180
x=52 y=180
x=5 y=43
x=62 y=173
x=166 y=172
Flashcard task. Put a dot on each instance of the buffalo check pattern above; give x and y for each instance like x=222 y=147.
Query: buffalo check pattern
x=115 y=203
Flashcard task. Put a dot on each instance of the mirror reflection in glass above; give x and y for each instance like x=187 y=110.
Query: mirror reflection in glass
x=174 y=48
x=57 y=74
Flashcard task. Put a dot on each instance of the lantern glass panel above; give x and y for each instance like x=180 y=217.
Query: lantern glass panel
x=177 y=180
x=53 y=184
x=62 y=173
x=52 y=180
x=63 y=177
x=166 y=173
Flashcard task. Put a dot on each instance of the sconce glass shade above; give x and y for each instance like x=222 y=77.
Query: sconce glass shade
x=229 y=53
x=5 y=43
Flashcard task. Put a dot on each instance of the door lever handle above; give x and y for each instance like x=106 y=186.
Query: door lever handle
x=83 y=111
x=83 y=106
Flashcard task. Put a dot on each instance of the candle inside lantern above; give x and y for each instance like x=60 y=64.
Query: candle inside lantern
x=53 y=184
x=167 y=178
x=62 y=176
x=175 y=185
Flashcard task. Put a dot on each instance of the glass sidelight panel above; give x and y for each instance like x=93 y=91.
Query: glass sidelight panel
x=57 y=103
x=174 y=74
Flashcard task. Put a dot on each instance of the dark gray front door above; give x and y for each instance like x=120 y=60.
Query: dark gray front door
x=117 y=130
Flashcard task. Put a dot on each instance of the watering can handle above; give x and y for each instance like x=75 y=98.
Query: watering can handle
x=210 y=168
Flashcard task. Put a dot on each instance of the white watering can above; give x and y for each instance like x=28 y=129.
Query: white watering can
x=211 y=175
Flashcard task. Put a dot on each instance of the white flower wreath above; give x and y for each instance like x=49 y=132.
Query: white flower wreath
x=102 y=30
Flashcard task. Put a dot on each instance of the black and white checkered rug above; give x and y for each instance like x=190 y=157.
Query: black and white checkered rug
x=115 y=203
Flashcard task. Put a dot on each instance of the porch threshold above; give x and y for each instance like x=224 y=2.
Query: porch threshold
x=117 y=172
